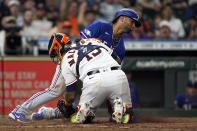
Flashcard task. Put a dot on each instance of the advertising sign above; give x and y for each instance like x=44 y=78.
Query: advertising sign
x=21 y=79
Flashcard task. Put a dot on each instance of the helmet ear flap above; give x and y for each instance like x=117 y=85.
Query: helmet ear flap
x=53 y=53
x=57 y=45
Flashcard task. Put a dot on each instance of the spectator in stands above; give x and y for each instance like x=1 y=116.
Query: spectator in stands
x=73 y=17
x=145 y=29
x=14 y=7
x=189 y=27
x=95 y=4
x=179 y=7
x=187 y=100
x=28 y=28
x=52 y=11
x=40 y=11
x=156 y=27
x=191 y=12
x=28 y=32
x=176 y=25
x=82 y=16
x=10 y=37
x=128 y=3
x=41 y=24
x=4 y=10
x=193 y=34
x=150 y=8
x=29 y=5
x=75 y=14
x=89 y=18
x=66 y=28
x=136 y=35
x=6 y=22
x=62 y=27
x=164 y=31
x=191 y=17
x=108 y=9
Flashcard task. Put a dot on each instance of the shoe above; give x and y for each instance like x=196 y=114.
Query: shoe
x=39 y=115
x=118 y=110
x=83 y=113
x=18 y=117
x=89 y=117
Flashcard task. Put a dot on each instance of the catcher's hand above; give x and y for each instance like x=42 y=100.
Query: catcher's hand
x=66 y=110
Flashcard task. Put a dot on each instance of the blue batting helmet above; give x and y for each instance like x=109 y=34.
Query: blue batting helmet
x=129 y=13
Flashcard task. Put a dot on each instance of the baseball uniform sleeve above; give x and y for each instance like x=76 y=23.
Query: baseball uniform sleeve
x=91 y=31
x=68 y=75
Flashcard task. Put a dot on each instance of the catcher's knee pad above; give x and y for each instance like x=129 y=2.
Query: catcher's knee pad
x=128 y=116
x=66 y=110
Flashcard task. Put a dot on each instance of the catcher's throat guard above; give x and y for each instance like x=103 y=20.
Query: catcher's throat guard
x=57 y=45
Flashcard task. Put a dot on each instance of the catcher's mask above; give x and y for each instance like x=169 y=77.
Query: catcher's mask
x=57 y=45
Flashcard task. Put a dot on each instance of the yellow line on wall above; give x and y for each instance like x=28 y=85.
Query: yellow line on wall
x=26 y=58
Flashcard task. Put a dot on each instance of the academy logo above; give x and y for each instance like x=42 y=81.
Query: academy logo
x=88 y=32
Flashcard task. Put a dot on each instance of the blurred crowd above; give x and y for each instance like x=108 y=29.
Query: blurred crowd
x=24 y=22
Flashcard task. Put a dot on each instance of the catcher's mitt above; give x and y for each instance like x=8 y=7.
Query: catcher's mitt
x=66 y=110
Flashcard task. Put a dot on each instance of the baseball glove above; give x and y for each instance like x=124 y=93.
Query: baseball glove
x=66 y=110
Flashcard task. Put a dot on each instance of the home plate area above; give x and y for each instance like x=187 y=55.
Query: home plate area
x=142 y=123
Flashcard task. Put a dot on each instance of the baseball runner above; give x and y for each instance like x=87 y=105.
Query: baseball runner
x=110 y=33
x=91 y=62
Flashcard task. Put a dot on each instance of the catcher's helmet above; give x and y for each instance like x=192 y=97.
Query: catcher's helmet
x=129 y=13
x=57 y=45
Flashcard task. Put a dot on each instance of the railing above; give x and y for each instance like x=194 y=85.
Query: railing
x=160 y=45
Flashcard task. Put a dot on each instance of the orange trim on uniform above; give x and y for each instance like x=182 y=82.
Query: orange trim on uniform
x=98 y=39
x=71 y=82
x=78 y=107
x=110 y=52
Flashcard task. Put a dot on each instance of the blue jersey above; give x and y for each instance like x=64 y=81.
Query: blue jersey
x=184 y=102
x=104 y=31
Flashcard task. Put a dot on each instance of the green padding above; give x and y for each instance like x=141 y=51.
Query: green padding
x=26 y=58
x=166 y=112
x=159 y=63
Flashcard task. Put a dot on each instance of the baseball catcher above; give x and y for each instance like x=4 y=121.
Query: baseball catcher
x=91 y=62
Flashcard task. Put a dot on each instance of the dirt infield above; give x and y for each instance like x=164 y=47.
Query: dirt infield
x=142 y=124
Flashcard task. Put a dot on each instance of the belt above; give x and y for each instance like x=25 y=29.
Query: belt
x=99 y=71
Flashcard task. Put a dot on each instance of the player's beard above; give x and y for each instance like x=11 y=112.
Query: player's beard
x=127 y=30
